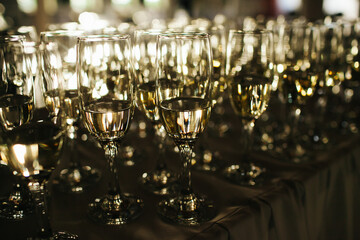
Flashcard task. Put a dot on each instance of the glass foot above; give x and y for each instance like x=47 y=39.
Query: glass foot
x=17 y=206
x=56 y=236
x=11 y=211
x=159 y=181
x=65 y=236
x=115 y=209
x=188 y=210
x=76 y=180
x=246 y=174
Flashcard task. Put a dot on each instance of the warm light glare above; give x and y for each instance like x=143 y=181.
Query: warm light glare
x=349 y=8
x=71 y=56
x=152 y=2
x=23 y=153
x=78 y=5
x=107 y=120
x=216 y=63
x=121 y=2
x=27 y=6
x=286 y=6
x=20 y=152
x=88 y=18
x=91 y=21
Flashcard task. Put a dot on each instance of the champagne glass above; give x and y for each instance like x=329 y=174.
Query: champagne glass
x=32 y=152
x=129 y=154
x=16 y=109
x=161 y=179
x=17 y=104
x=351 y=32
x=184 y=84
x=333 y=68
x=60 y=94
x=106 y=95
x=207 y=159
x=3 y=80
x=299 y=79
x=249 y=72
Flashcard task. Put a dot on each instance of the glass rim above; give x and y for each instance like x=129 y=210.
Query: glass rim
x=106 y=37
x=12 y=38
x=250 y=31
x=61 y=33
x=288 y=27
x=151 y=31
x=184 y=35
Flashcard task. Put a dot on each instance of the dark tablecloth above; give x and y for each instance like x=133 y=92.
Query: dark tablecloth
x=316 y=200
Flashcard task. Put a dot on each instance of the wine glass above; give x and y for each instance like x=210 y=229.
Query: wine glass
x=32 y=151
x=298 y=82
x=106 y=96
x=208 y=159
x=184 y=84
x=333 y=64
x=60 y=94
x=129 y=154
x=16 y=109
x=17 y=104
x=161 y=179
x=249 y=71
x=351 y=32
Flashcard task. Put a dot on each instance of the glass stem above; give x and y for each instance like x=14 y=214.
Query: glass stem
x=186 y=150
x=111 y=151
x=39 y=193
x=294 y=121
x=72 y=136
x=160 y=136
x=248 y=128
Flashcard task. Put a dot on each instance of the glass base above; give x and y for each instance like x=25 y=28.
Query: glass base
x=245 y=174
x=11 y=211
x=159 y=181
x=188 y=210
x=65 y=236
x=76 y=180
x=115 y=209
x=56 y=236
x=17 y=206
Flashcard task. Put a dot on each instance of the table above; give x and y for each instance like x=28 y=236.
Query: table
x=316 y=200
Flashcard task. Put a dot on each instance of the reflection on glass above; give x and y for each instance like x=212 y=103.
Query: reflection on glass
x=106 y=94
x=184 y=100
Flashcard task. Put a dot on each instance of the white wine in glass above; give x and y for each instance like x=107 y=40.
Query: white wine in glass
x=16 y=109
x=61 y=97
x=33 y=151
x=160 y=180
x=184 y=85
x=249 y=72
x=106 y=94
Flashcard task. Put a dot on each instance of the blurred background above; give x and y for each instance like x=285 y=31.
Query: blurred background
x=100 y=13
